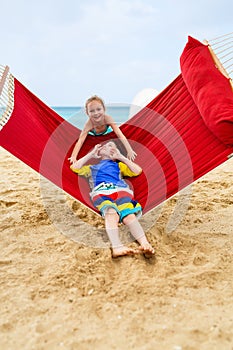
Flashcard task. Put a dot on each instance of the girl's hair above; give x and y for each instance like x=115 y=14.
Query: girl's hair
x=94 y=98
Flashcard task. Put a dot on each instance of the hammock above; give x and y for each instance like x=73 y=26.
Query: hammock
x=185 y=132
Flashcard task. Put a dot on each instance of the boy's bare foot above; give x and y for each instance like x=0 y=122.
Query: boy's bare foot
x=122 y=251
x=147 y=250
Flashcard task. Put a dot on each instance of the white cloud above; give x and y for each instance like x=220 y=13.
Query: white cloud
x=141 y=99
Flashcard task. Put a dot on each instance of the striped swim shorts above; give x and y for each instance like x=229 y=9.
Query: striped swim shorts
x=106 y=196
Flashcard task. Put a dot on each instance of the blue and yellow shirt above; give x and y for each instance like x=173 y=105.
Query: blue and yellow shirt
x=107 y=171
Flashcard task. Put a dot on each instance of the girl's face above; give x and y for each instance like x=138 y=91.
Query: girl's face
x=95 y=111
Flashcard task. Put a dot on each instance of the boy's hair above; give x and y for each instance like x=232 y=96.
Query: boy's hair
x=94 y=98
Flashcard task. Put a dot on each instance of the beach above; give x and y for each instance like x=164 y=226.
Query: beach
x=58 y=293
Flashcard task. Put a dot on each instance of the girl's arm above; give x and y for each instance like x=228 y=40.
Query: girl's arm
x=80 y=142
x=130 y=152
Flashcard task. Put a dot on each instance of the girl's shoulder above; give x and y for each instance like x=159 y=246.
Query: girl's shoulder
x=108 y=119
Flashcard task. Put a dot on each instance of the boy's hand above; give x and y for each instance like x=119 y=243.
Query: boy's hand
x=116 y=154
x=95 y=152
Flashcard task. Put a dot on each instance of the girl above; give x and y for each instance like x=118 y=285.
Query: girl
x=99 y=124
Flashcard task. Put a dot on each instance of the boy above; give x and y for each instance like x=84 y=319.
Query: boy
x=112 y=196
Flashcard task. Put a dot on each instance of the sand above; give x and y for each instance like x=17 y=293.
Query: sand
x=58 y=292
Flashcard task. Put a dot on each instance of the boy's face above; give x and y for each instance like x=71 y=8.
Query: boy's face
x=108 y=150
x=95 y=111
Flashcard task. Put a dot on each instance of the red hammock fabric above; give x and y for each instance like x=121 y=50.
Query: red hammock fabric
x=176 y=136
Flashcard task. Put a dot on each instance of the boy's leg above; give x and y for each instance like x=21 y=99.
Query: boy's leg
x=111 y=225
x=137 y=231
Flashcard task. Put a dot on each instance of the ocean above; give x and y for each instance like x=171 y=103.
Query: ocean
x=78 y=117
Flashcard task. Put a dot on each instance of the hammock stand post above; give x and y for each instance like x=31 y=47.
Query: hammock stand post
x=4 y=76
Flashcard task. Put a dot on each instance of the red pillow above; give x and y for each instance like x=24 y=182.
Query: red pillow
x=210 y=90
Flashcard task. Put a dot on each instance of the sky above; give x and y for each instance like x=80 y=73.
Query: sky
x=66 y=51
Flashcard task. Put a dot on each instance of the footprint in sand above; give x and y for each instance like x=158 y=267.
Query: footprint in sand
x=7 y=204
x=200 y=259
